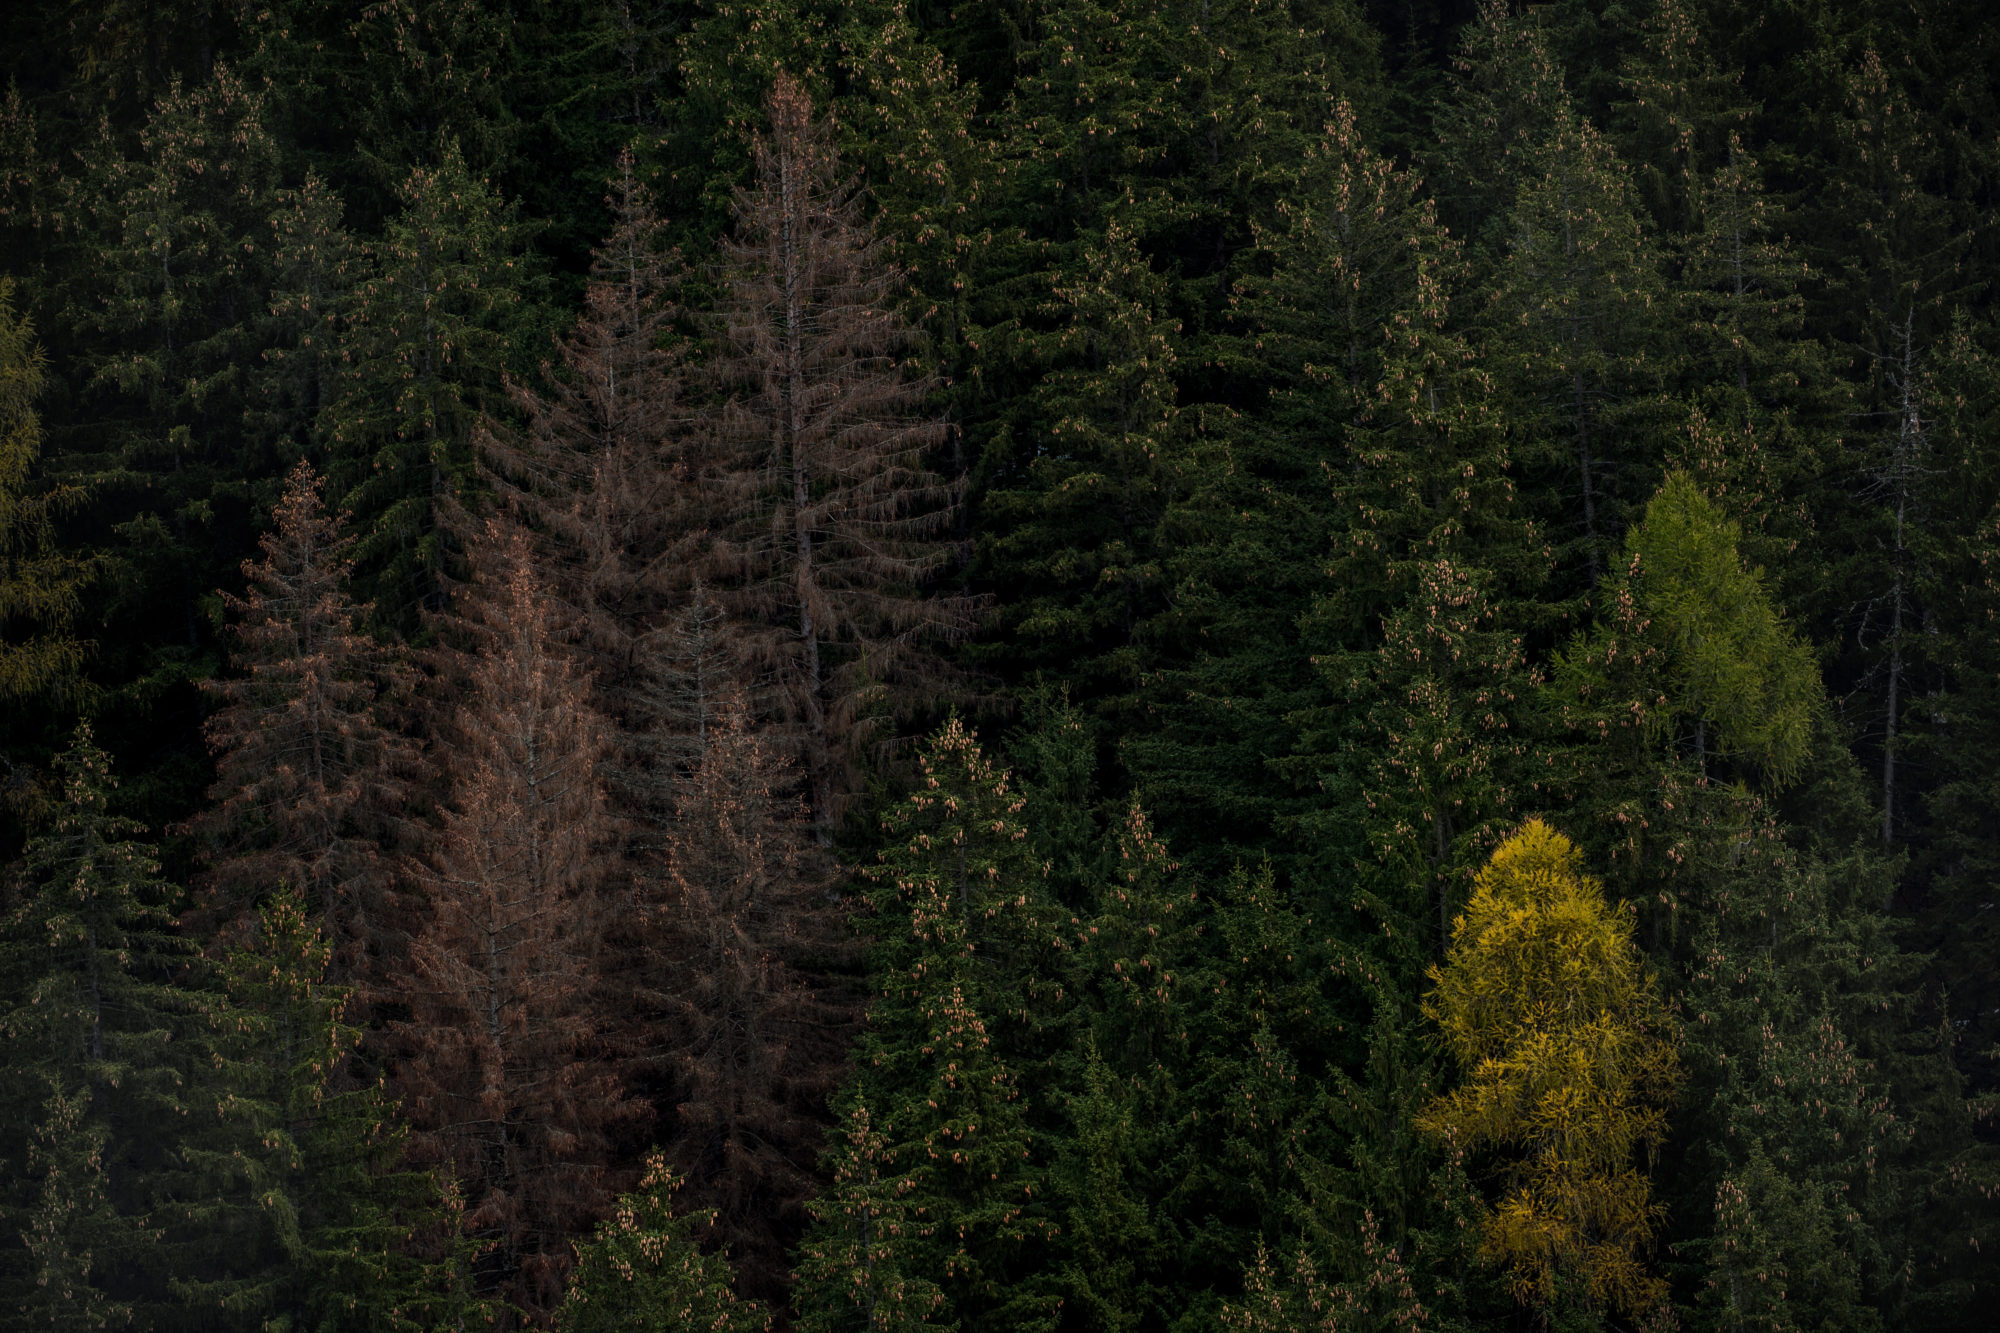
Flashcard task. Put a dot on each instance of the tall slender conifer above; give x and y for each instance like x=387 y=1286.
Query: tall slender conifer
x=507 y=1061
x=834 y=523
x=745 y=927
x=307 y=775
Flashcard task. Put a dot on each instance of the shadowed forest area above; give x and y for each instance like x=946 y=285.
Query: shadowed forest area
x=1012 y=666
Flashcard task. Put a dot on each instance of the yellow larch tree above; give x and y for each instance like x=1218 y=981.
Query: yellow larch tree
x=1569 y=1062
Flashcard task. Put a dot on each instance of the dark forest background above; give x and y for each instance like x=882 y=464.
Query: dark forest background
x=886 y=665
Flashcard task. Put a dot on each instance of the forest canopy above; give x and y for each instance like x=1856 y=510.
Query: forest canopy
x=1052 y=666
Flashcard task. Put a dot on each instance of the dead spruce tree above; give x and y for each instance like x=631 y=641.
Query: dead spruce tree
x=606 y=474
x=832 y=525
x=601 y=467
x=509 y=1062
x=741 y=940
x=308 y=779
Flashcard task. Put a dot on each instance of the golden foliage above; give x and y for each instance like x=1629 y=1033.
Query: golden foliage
x=1547 y=1006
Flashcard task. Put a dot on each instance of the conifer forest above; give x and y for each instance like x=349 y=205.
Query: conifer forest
x=999 y=666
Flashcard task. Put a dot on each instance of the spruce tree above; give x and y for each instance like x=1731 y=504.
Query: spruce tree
x=959 y=916
x=290 y=1205
x=507 y=1060
x=690 y=679
x=1112 y=1243
x=114 y=61
x=1891 y=247
x=1767 y=410
x=644 y=1268
x=1572 y=330
x=1080 y=437
x=178 y=227
x=91 y=1022
x=829 y=522
x=72 y=1230
x=437 y=320
x=1413 y=610
x=1571 y=280
x=1176 y=1100
x=606 y=464
x=1961 y=558
x=1149 y=147
x=1387 y=1200
x=165 y=256
x=366 y=94
x=316 y=266
x=1271 y=1305
x=611 y=471
x=1509 y=89
x=39 y=585
x=1381 y=1296
x=1075 y=526
x=902 y=113
x=1194 y=120
x=856 y=1265
x=589 y=81
x=307 y=775
x=1729 y=816
x=1787 y=1242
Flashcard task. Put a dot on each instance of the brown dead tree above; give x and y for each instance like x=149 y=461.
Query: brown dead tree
x=833 y=527
x=509 y=1060
x=309 y=782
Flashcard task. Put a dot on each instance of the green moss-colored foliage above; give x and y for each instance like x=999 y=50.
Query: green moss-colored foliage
x=1692 y=637
x=1685 y=709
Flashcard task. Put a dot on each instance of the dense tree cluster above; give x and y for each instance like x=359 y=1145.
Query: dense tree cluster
x=1052 y=666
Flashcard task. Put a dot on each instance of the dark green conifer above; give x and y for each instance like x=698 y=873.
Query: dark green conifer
x=645 y=1269
x=316 y=265
x=326 y=1221
x=962 y=929
x=1960 y=556
x=1146 y=145
x=1418 y=606
x=1074 y=520
x=72 y=1232
x=164 y=261
x=1339 y=325
x=1573 y=333
x=39 y=585
x=89 y=1021
x=433 y=327
x=856 y=1268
